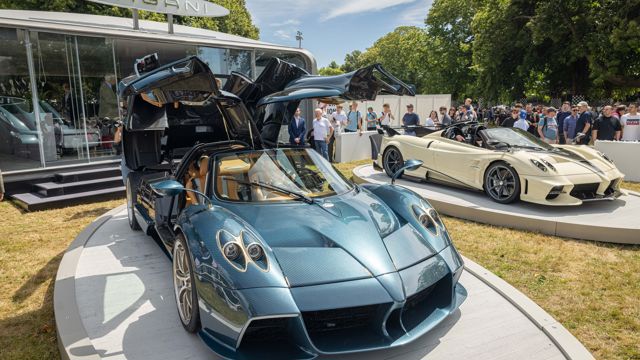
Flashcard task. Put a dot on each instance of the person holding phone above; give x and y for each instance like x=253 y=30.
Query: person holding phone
x=386 y=116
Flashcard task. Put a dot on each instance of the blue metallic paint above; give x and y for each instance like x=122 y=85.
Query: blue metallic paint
x=342 y=262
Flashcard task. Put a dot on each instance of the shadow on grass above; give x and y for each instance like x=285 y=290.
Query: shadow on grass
x=94 y=213
x=46 y=273
x=32 y=335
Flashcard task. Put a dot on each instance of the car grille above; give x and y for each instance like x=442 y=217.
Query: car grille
x=347 y=328
x=585 y=191
x=362 y=327
x=338 y=319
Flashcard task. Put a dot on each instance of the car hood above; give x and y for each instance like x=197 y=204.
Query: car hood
x=567 y=162
x=338 y=239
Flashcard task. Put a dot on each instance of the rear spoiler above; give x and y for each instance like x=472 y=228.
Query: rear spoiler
x=419 y=130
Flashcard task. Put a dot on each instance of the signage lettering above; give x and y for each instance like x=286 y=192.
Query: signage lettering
x=195 y=7
x=175 y=7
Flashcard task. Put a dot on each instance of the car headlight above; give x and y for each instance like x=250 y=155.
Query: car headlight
x=539 y=165
x=255 y=252
x=605 y=157
x=231 y=251
x=427 y=220
x=549 y=165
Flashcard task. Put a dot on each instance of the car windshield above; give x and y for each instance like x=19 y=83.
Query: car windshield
x=515 y=137
x=276 y=175
x=11 y=119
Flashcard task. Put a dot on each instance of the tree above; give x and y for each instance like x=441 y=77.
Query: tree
x=450 y=42
x=238 y=22
x=403 y=52
x=352 y=61
x=332 y=69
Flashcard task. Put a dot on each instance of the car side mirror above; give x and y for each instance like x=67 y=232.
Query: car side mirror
x=168 y=188
x=410 y=165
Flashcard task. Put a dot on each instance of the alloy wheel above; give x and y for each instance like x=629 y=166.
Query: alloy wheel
x=182 y=283
x=392 y=161
x=501 y=183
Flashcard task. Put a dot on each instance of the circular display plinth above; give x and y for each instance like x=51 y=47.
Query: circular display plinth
x=114 y=300
x=613 y=221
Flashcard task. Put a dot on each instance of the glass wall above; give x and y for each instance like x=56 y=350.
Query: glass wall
x=224 y=61
x=76 y=79
x=263 y=57
x=19 y=142
x=127 y=51
x=76 y=82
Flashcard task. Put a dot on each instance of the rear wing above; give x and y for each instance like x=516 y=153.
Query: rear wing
x=420 y=131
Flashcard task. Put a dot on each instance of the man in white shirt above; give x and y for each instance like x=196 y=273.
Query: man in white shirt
x=631 y=124
x=322 y=132
x=338 y=120
x=386 y=117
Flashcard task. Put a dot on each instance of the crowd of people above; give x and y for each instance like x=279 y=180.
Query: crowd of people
x=325 y=126
x=577 y=124
x=571 y=124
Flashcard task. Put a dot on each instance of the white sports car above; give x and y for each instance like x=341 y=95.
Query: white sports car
x=506 y=163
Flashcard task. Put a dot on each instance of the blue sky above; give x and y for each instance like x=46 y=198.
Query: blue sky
x=333 y=28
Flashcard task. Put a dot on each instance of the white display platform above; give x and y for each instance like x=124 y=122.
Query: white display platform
x=113 y=300
x=626 y=156
x=353 y=146
x=614 y=221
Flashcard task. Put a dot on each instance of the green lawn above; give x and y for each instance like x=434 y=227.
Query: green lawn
x=591 y=288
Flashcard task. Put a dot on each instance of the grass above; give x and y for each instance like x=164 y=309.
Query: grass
x=591 y=288
x=31 y=247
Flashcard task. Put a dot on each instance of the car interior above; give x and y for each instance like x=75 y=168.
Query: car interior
x=472 y=135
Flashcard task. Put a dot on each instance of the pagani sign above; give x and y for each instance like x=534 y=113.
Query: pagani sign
x=174 y=7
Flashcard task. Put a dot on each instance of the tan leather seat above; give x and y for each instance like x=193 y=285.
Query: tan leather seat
x=204 y=171
x=190 y=176
x=226 y=184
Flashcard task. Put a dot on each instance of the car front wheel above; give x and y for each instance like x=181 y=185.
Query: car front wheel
x=501 y=183
x=131 y=198
x=392 y=161
x=183 y=284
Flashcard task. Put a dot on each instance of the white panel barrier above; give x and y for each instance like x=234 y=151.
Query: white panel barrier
x=623 y=154
x=423 y=104
x=352 y=147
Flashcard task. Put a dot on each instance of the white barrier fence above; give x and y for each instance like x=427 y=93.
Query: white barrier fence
x=422 y=105
x=623 y=155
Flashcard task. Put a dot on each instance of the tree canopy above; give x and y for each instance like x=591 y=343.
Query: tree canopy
x=509 y=49
x=238 y=22
x=332 y=69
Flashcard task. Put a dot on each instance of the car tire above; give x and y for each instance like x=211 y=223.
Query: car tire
x=392 y=161
x=502 y=183
x=131 y=199
x=184 y=286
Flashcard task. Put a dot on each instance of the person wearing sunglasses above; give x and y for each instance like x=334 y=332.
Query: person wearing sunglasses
x=515 y=113
x=569 y=124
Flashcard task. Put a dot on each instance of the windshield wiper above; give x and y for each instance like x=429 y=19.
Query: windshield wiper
x=293 y=194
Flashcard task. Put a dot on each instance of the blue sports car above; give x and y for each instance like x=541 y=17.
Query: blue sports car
x=275 y=254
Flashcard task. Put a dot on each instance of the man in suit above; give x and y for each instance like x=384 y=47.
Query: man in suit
x=297 y=129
